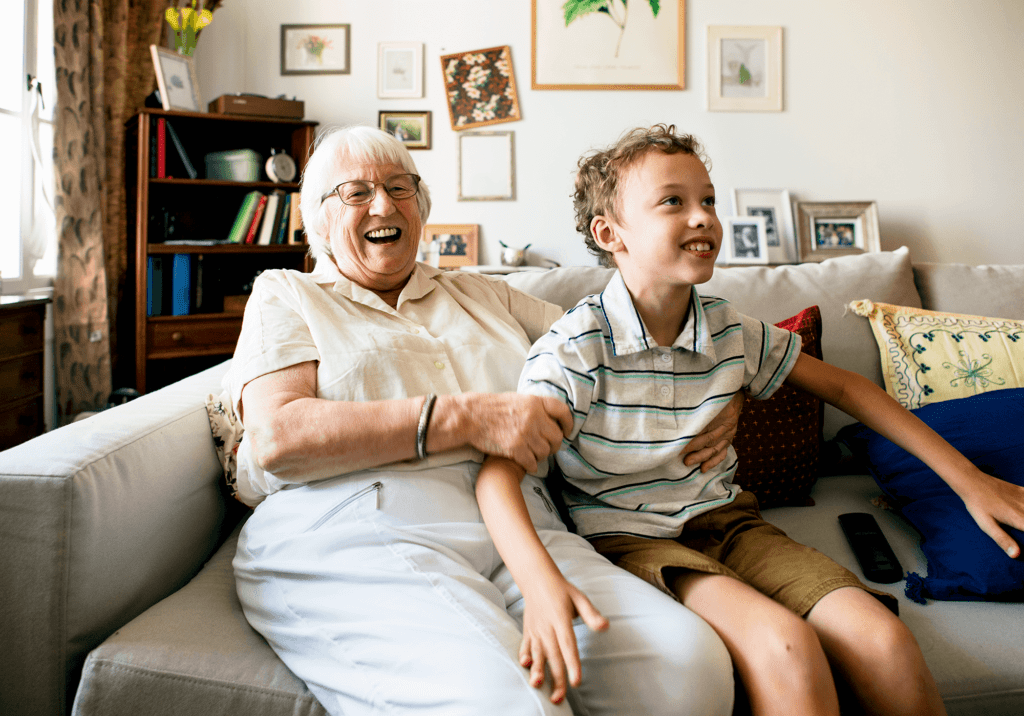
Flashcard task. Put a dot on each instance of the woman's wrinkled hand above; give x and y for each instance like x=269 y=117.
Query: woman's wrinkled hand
x=523 y=428
x=711 y=445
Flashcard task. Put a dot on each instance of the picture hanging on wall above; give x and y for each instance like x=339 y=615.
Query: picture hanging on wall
x=830 y=229
x=744 y=68
x=399 y=70
x=481 y=87
x=410 y=128
x=594 y=44
x=315 y=49
x=774 y=205
x=487 y=169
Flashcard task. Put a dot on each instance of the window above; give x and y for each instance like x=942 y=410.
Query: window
x=28 y=236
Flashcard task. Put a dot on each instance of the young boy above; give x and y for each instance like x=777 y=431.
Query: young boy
x=644 y=366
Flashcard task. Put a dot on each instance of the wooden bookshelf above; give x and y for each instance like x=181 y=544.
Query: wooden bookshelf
x=170 y=347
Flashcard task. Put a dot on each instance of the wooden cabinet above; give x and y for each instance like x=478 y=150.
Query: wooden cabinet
x=21 y=368
x=175 y=207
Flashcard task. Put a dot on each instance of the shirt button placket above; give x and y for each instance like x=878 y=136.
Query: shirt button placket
x=666 y=394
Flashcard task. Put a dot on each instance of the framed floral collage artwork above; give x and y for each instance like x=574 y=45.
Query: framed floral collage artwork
x=481 y=87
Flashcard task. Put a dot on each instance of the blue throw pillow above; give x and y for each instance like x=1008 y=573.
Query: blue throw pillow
x=963 y=562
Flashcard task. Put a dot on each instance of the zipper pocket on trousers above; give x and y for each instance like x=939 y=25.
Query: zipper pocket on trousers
x=544 y=498
x=375 y=488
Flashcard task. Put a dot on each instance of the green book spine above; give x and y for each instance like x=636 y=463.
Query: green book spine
x=244 y=217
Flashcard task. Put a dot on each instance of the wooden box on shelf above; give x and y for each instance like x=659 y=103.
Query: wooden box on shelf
x=187 y=278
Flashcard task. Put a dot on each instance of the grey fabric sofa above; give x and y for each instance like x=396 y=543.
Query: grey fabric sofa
x=116 y=539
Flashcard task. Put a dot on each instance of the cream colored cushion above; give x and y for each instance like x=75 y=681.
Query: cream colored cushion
x=928 y=356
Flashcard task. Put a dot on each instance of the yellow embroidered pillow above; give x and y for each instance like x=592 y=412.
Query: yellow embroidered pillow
x=928 y=357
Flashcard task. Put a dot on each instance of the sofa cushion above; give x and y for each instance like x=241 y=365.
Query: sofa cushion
x=963 y=562
x=779 y=440
x=928 y=357
x=192 y=653
x=975 y=290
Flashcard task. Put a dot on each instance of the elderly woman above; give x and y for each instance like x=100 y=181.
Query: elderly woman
x=367 y=565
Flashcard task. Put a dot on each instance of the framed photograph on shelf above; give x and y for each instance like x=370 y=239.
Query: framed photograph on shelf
x=399 y=70
x=411 y=128
x=176 y=79
x=487 y=169
x=481 y=87
x=582 y=44
x=744 y=68
x=774 y=205
x=746 y=239
x=829 y=229
x=456 y=244
x=315 y=49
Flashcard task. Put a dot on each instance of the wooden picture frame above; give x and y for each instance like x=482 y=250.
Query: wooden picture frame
x=826 y=230
x=746 y=239
x=487 y=167
x=457 y=243
x=410 y=128
x=316 y=49
x=776 y=208
x=177 y=80
x=744 y=68
x=582 y=45
x=481 y=87
x=399 y=70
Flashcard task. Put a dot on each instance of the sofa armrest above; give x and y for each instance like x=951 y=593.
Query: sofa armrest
x=99 y=520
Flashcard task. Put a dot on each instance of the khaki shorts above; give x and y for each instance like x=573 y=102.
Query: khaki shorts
x=734 y=540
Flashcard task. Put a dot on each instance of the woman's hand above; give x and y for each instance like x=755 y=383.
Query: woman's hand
x=992 y=502
x=548 y=637
x=523 y=428
x=710 y=446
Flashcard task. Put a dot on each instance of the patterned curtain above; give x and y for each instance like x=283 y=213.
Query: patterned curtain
x=104 y=73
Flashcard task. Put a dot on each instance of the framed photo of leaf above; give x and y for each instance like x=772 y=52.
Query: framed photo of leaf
x=744 y=68
x=608 y=44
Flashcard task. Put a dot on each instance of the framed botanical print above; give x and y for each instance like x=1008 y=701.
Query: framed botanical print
x=744 y=68
x=399 y=70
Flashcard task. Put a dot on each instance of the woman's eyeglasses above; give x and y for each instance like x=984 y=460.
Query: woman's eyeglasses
x=359 y=192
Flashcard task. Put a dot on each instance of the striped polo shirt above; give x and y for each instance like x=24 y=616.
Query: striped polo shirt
x=637 y=404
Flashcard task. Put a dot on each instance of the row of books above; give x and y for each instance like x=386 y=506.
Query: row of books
x=161 y=130
x=272 y=218
x=182 y=284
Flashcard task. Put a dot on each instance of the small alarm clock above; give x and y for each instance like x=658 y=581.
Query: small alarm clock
x=280 y=167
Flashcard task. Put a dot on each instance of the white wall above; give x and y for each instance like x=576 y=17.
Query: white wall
x=915 y=104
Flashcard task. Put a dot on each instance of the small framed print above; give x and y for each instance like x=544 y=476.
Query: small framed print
x=176 y=78
x=826 y=230
x=480 y=86
x=487 y=170
x=744 y=68
x=456 y=244
x=410 y=128
x=774 y=205
x=746 y=240
x=315 y=49
x=400 y=70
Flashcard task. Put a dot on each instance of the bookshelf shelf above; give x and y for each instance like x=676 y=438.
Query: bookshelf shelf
x=176 y=207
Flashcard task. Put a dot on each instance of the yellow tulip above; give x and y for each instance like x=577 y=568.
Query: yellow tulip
x=172 y=18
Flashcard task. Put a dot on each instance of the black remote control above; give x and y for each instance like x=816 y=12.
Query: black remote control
x=871 y=548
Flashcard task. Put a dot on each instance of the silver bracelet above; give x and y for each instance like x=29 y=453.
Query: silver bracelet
x=421 y=429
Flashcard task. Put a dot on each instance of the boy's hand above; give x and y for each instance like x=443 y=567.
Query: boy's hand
x=548 y=637
x=991 y=502
x=710 y=447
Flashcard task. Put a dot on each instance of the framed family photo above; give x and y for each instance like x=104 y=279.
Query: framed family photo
x=410 y=128
x=315 y=49
x=829 y=229
x=744 y=68
x=746 y=240
x=774 y=205
x=456 y=244
x=399 y=70
x=176 y=78
x=481 y=87
x=607 y=44
x=487 y=168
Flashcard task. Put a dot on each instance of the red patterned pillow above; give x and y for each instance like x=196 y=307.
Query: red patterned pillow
x=779 y=439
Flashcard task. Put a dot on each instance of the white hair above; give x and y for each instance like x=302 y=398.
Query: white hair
x=331 y=150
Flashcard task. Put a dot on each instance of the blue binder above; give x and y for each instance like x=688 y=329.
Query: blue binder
x=181 y=285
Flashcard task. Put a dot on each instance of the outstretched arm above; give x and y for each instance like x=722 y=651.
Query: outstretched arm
x=551 y=601
x=989 y=501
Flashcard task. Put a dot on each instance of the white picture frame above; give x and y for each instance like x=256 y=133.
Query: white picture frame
x=176 y=78
x=487 y=170
x=400 y=70
x=744 y=68
x=745 y=239
x=776 y=207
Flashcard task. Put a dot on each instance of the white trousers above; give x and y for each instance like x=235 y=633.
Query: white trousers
x=384 y=593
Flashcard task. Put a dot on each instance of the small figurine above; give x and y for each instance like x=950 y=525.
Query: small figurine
x=511 y=256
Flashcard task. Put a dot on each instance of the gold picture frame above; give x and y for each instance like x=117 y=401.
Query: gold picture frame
x=457 y=243
x=410 y=128
x=481 y=87
x=826 y=230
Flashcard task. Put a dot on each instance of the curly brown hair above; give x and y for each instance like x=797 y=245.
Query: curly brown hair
x=599 y=174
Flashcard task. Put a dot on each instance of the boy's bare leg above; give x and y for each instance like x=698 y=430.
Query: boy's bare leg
x=777 y=654
x=875 y=653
